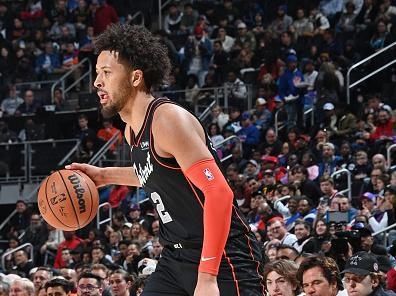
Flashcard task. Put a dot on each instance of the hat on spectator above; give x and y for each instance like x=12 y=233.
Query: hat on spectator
x=364 y=232
x=384 y=263
x=258 y=192
x=361 y=263
x=127 y=224
x=245 y=115
x=268 y=158
x=241 y=25
x=261 y=101
x=269 y=172
x=369 y=196
x=134 y=207
x=253 y=162
x=328 y=107
x=291 y=58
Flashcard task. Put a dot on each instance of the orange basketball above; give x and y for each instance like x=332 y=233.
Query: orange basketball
x=68 y=200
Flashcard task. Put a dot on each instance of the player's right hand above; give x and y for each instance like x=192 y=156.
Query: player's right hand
x=94 y=172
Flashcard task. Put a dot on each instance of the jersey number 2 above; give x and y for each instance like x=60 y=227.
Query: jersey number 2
x=164 y=215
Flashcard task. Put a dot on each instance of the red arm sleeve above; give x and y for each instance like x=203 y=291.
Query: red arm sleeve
x=207 y=176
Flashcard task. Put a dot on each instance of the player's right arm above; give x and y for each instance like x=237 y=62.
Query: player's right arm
x=108 y=175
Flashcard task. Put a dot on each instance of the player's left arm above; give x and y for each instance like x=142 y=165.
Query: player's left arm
x=179 y=134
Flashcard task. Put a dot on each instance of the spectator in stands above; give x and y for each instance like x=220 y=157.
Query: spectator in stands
x=198 y=52
x=226 y=40
x=84 y=131
x=22 y=286
x=361 y=275
x=271 y=144
x=289 y=212
x=289 y=91
x=327 y=187
x=304 y=243
x=61 y=104
x=6 y=134
x=280 y=278
x=279 y=232
x=306 y=209
x=22 y=263
x=71 y=242
x=41 y=277
x=58 y=287
x=236 y=87
x=120 y=282
x=21 y=220
x=30 y=104
x=248 y=134
x=108 y=131
x=299 y=178
x=262 y=117
x=384 y=126
x=89 y=284
x=10 y=104
x=132 y=259
x=367 y=243
x=328 y=165
x=98 y=256
x=47 y=63
x=172 y=20
x=32 y=131
x=286 y=252
x=282 y=22
x=319 y=275
x=105 y=15
x=4 y=288
x=36 y=234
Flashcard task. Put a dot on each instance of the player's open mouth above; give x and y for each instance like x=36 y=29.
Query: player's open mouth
x=104 y=97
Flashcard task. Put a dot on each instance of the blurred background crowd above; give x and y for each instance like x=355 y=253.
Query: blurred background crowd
x=308 y=156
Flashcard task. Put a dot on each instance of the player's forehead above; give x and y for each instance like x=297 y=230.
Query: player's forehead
x=108 y=59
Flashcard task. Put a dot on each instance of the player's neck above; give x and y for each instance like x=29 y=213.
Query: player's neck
x=136 y=109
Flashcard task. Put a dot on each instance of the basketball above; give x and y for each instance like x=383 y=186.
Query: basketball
x=68 y=200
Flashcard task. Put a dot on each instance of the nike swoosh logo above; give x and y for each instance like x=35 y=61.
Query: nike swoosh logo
x=203 y=259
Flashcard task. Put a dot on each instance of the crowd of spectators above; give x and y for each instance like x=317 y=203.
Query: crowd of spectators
x=288 y=56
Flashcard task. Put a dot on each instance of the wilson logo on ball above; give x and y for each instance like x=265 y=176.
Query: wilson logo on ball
x=79 y=190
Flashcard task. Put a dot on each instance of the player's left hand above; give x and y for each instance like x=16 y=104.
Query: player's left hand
x=206 y=285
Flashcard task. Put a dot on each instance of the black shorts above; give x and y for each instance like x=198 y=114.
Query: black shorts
x=177 y=272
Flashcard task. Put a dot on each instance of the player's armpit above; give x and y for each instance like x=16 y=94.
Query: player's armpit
x=206 y=175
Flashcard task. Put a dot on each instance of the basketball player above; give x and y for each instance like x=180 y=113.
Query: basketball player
x=208 y=247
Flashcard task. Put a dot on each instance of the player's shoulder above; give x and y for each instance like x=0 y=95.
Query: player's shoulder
x=172 y=115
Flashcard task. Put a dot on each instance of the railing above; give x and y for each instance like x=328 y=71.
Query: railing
x=98 y=220
x=278 y=127
x=160 y=7
x=349 y=182
x=388 y=154
x=69 y=154
x=220 y=94
x=28 y=162
x=384 y=229
x=202 y=117
x=220 y=144
x=3 y=257
x=354 y=66
x=6 y=220
x=34 y=84
x=98 y=155
x=307 y=112
x=135 y=16
x=62 y=80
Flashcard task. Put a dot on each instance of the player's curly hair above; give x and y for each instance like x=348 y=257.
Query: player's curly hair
x=138 y=48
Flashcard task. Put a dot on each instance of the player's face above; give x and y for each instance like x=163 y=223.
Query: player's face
x=112 y=83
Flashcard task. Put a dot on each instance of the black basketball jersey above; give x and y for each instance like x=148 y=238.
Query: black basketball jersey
x=178 y=202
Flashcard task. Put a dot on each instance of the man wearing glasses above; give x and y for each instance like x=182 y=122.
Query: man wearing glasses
x=361 y=276
x=89 y=284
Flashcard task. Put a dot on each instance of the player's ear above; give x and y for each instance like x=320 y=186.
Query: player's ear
x=137 y=77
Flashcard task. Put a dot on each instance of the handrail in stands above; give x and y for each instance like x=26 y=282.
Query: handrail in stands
x=100 y=222
x=104 y=149
x=354 y=66
x=206 y=112
x=62 y=79
x=6 y=220
x=69 y=154
x=16 y=250
x=160 y=7
x=276 y=123
x=136 y=15
x=388 y=154
x=384 y=229
x=220 y=144
x=349 y=181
